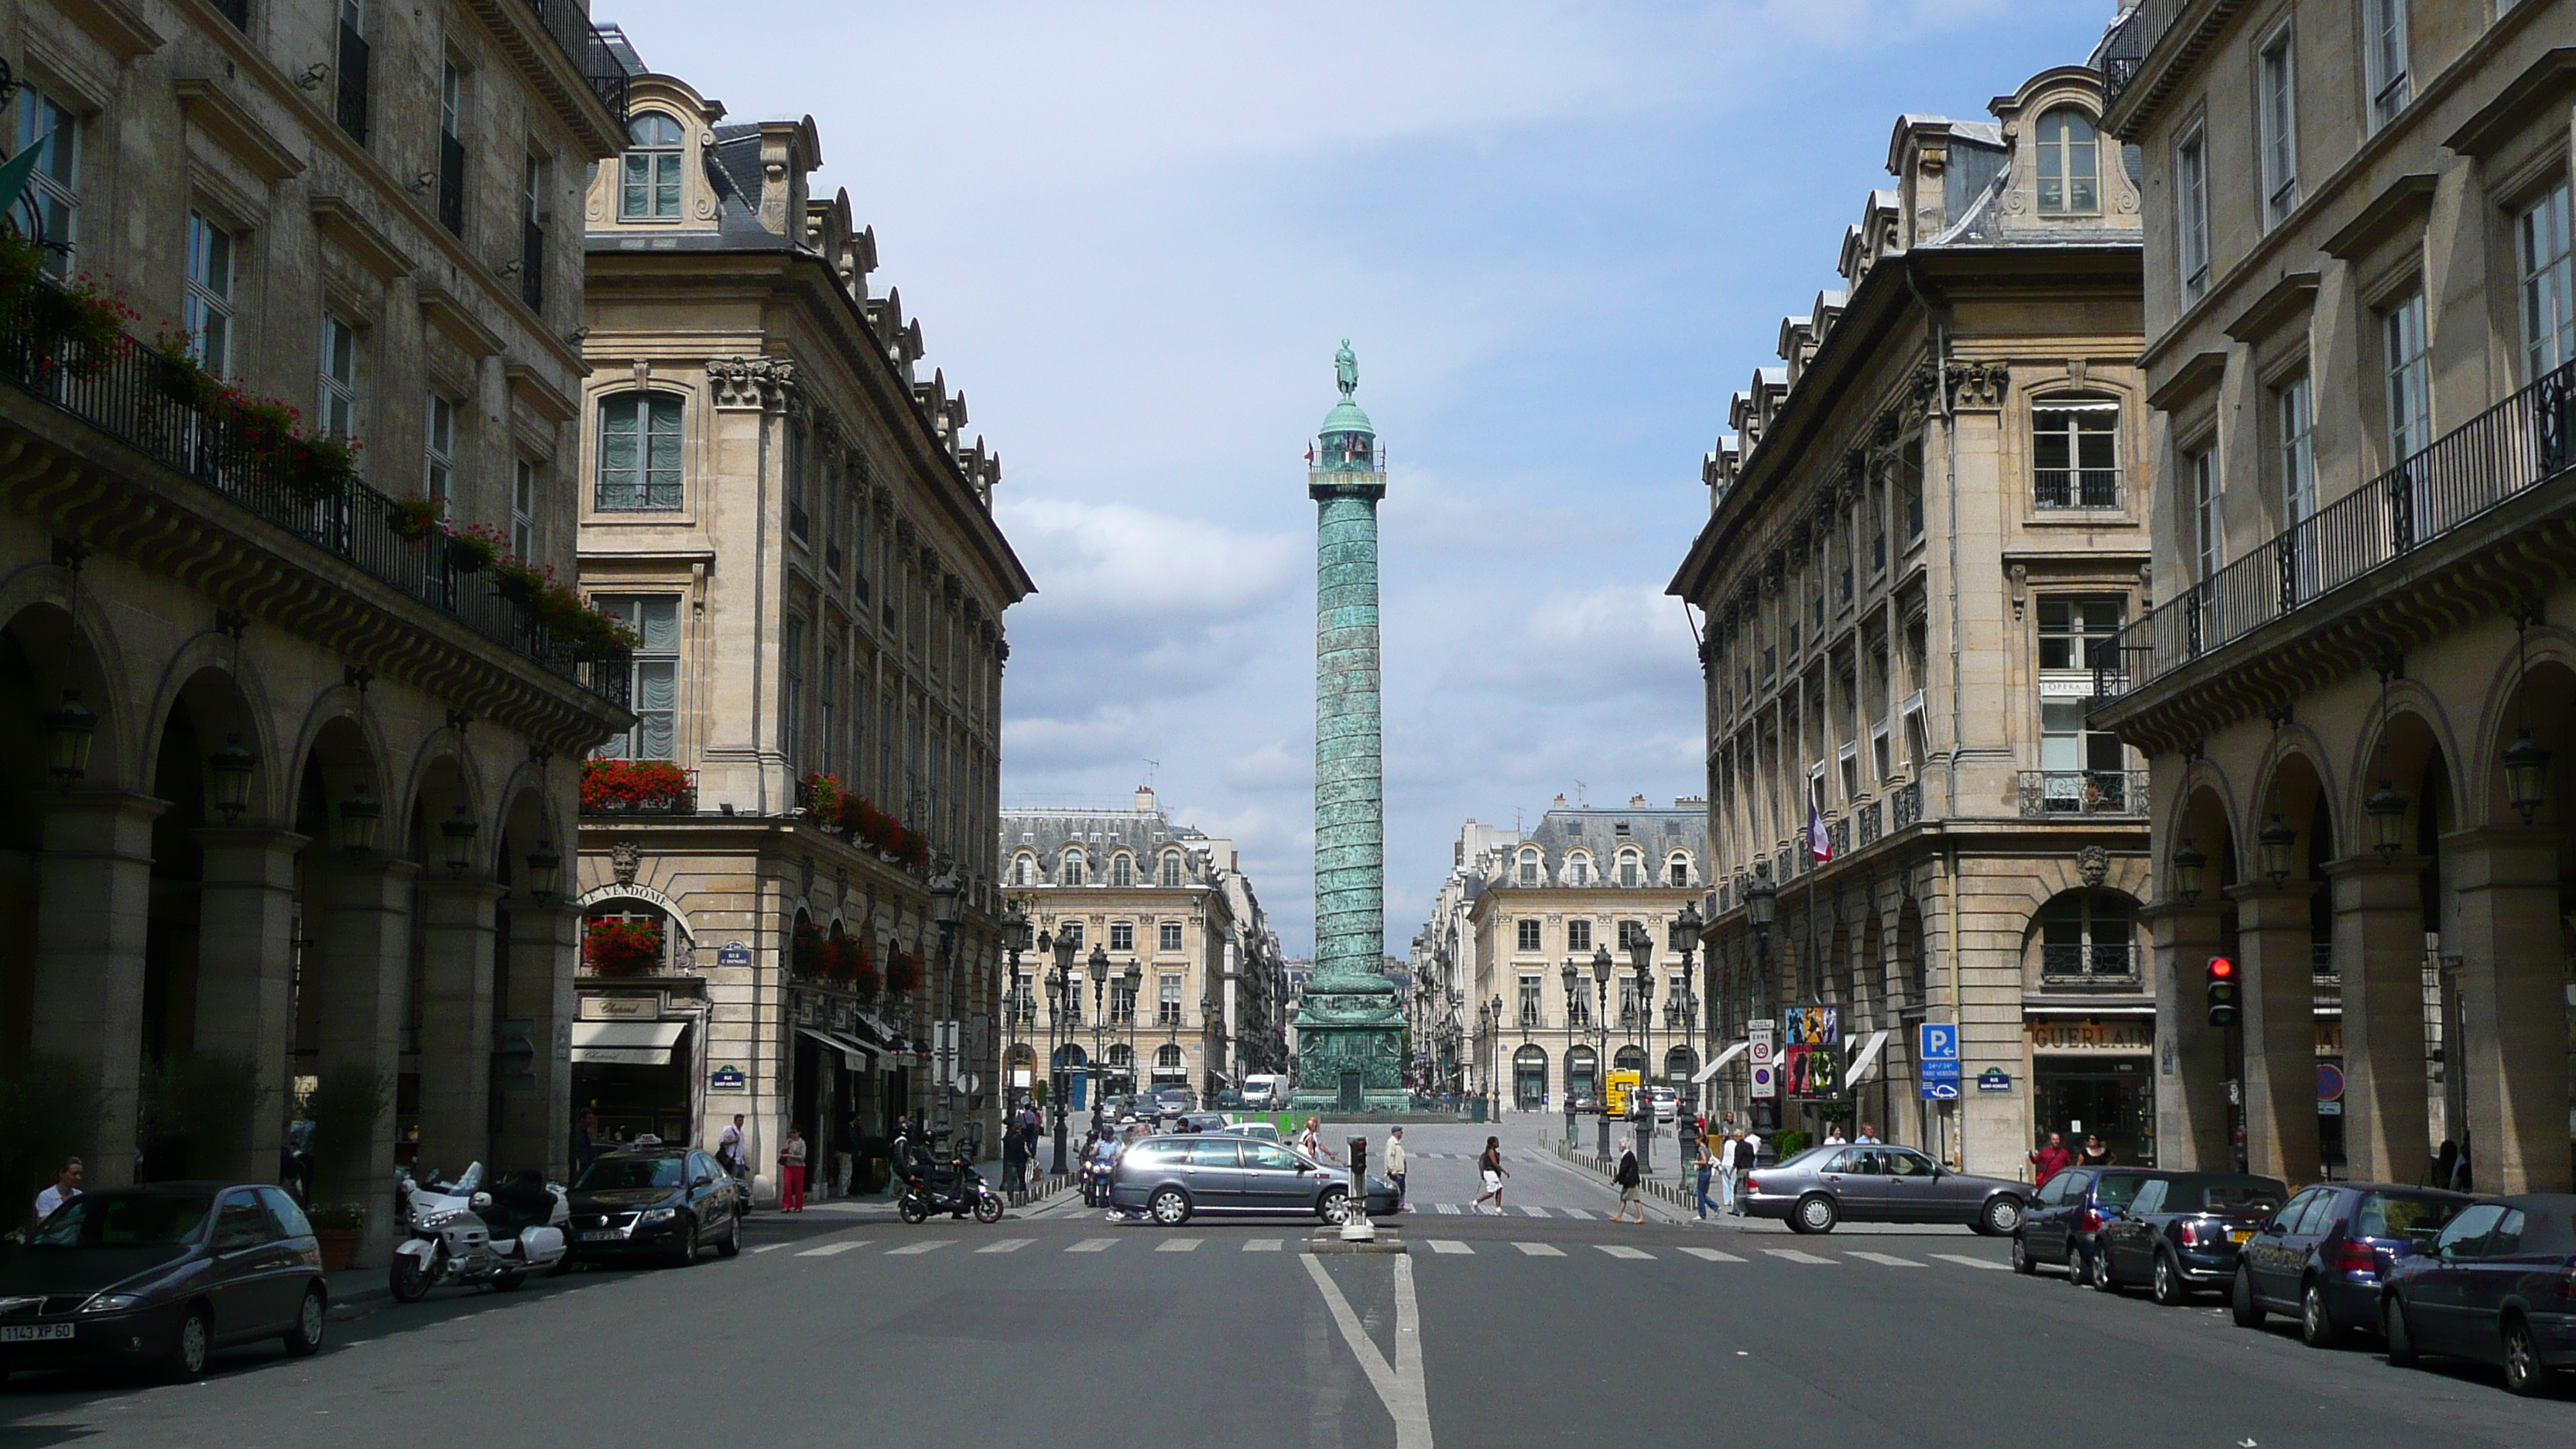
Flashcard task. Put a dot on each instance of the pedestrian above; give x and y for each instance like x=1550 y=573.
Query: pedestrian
x=1834 y=1135
x=729 y=1146
x=1868 y=1135
x=1015 y=1166
x=1727 y=1146
x=2095 y=1154
x=791 y=1172
x=1748 y=1155
x=585 y=1130
x=1491 y=1165
x=1394 y=1163
x=2051 y=1160
x=1311 y=1143
x=1632 y=1185
x=1707 y=1165
x=67 y=1185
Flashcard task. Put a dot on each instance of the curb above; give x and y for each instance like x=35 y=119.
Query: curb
x=1681 y=1199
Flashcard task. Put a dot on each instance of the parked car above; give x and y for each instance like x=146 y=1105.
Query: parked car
x=2180 y=1233
x=2325 y=1256
x=665 y=1202
x=1880 y=1184
x=1266 y=1131
x=160 y=1277
x=2061 y=1225
x=2493 y=1288
x=1172 y=1179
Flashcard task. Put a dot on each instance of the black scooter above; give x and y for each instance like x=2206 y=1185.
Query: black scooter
x=952 y=1187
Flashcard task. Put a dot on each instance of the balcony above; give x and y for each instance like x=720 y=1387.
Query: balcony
x=2062 y=963
x=1870 y=814
x=2056 y=488
x=1838 y=837
x=2049 y=794
x=587 y=47
x=2496 y=457
x=614 y=804
x=1906 y=804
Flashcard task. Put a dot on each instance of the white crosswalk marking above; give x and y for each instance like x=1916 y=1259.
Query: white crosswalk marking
x=828 y=1249
x=1006 y=1245
x=1584 y=1213
x=769 y=1247
x=1967 y=1262
x=1539 y=1250
x=1449 y=1208
x=1261 y=1245
x=1449 y=1245
x=908 y=1249
x=1794 y=1256
x=1179 y=1245
x=1093 y=1245
x=1621 y=1250
x=1536 y=1212
x=1713 y=1255
x=1889 y=1259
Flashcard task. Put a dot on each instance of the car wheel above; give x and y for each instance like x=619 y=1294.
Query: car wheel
x=1169 y=1206
x=1335 y=1205
x=2079 y=1267
x=2103 y=1282
x=2240 y=1300
x=2392 y=1326
x=2022 y=1262
x=190 y=1346
x=684 y=1248
x=2001 y=1216
x=2524 y=1374
x=731 y=1246
x=2317 y=1327
x=2168 y=1287
x=1815 y=1213
x=305 y=1338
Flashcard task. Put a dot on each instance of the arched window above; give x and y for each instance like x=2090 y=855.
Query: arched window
x=2087 y=933
x=1024 y=869
x=1167 y=1057
x=639 y=453
x=1632 y=870
x=1122 y=869
x=1677 y=870
x=651 y=182
x=1578 y=869
x=1581 y=1067
x=1529 y=868
x=1630 y=1058
x=1070 y=872
x=1171 y=878
x=2069 y=177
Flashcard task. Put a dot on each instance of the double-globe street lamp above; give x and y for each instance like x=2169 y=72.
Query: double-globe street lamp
x=1602 y=966
x=1059 y=1032
x=1641 y=959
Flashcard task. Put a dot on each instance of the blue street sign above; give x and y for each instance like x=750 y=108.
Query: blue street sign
x=1937 y=1041
x=1994 y=1079
x=1940 y=1091
x=1941 y=1071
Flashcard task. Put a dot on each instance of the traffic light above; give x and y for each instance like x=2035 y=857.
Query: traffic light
x=2219 y=978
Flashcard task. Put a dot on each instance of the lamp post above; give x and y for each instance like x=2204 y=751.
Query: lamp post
x=1641 y=954
x=1059 y=986
x=1683 y=939
x=1094 y=1073
x=945 y=890
x=1494 y=1066
x=1601 y=968
x=1571 y=977
x=1761 y=908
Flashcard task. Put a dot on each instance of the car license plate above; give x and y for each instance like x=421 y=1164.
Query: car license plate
x=600 y=1235
x=35 y=1332
x=2238 y=1235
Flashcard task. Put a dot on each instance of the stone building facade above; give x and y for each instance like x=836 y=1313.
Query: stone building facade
x=311 y=782
x=2354 y=691
x=1130 y=888
x=1930 y=520
x=796 y=525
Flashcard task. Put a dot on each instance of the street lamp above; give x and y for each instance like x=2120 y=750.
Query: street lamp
x=1572 y=978
x=543 y=863
x=459 y=831
x=2187 y=864
x=1601 y=969
x=945 y=889
x=2526 y=774
x=1684 y=941
x=1061 y=947
x=230 y=770
x=2387 y=811
x=2276 y=839
x=69 y=732
x=1641 y=954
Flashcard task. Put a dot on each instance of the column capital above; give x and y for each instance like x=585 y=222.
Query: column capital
x=2271 y=906
x=461 y=890
x=250 y=837
x=2181 y=913
x=2403 y=863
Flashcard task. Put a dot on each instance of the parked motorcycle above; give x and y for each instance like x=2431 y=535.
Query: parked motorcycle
x=457 y=1233
x=952 y=1187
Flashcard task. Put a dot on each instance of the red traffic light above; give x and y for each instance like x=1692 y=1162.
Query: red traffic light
x=2221 y=969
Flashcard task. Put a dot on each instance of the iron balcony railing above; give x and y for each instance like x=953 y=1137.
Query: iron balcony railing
x=126 y=395
x=587 y=47
x=2046 y=793
x=2124 y=49
x=1870 y=816
x=2101 y=958
x=1907 y=804
x=2517 y=445
x=236 y=11
x=2075 y=487
x=351 y=91
x=1838 y=834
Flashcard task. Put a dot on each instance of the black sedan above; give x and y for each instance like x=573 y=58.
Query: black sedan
x=2494 y=1288
x=2180 y=1234
x=2325 y=1255
x=160 y=1277
x=666 y=1203
x=1170 y=1179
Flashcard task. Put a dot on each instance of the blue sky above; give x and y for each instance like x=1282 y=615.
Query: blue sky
x=1558 y=237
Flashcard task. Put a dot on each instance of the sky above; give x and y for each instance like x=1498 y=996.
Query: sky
x=1558 y=237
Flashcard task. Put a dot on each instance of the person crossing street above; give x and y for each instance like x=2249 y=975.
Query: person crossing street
x=1631 y=1182
x=1394 y=1163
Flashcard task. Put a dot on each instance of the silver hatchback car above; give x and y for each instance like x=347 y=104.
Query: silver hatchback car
x=1876 y=1183
x=1170 y=1179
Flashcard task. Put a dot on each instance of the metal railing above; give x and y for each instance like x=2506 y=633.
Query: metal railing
x=351 y=91
x=1907 y=804
x=2075 y=487
x=587 y=47
x=2101 y=958
x=1870 y=816
x=2520 y=443
x=2122 y=51
x=131 y=395
x=1838 y=834
x=2046 y=793
x=236 y=11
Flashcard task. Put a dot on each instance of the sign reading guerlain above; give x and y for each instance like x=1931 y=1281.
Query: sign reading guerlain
x=2092 y=1034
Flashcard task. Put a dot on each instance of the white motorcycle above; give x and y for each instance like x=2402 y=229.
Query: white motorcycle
x=450 y=1236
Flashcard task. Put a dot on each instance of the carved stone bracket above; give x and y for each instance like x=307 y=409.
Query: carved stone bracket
x=766 y=383
x=1978 y=386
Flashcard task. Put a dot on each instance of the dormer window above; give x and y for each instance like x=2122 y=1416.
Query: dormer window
x=2069 y=173
x=1171 y=870
x=652 y=169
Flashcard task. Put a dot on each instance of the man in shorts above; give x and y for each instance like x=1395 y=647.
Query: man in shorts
x=1491 y=1164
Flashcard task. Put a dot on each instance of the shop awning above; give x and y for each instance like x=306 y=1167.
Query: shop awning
x=1728 y=1055
x=1862 y=1058
x=854 y=1054
x=626 y=1043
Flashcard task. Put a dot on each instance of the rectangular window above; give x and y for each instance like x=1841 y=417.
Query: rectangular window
x=1528 y=935
x=1909 y=487
x=2385 y=44
x=532 y=233
x=351 y=74
x=1169 y=938
x=1529 y=1001
x=2068 y=751
x=1630 y=933
x=338 y=414
x=1167 y=1007
x=2075 y=454
x=207 y=308
x=795 y=470
x=791 y=693
x=639 y=453
x=2209 y=548
x=1578 y=936
x=2296 y=419
x=2276 y=125
x=451 y=149
x=1070 y=931
x=650 y=174
x=2078 y=633
x=827 y=725
x=53 y=188
x=2548 y=285
x=2410 y=380
x=655 y=692
x=438 y=451
x=1122 y=935
x=2191 y=213
x=1878 y=750
x=523 y=509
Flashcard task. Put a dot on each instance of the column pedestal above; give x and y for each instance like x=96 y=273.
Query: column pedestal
x=2273 y=936
x=93 y=909
x=2379 y=954
x=245 y=982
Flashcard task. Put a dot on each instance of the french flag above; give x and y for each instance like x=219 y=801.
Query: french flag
x=1818 y=844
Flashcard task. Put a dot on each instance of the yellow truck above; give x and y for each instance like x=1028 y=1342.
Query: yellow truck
x=1622 y=1089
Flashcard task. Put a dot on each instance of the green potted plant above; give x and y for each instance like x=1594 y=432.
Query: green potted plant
x=338 y=1228
x=471 y=550
x=622 y=948
x=415 y=518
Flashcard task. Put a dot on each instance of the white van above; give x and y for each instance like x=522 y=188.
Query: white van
x=1264 y=1093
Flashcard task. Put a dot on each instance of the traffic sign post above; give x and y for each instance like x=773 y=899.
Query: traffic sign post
x=1936 y=1047
x=1760 y=1058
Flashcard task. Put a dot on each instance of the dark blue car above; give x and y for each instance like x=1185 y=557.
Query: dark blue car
x=2497 y=1286
x=2063 y=1224
x=2326 y=1253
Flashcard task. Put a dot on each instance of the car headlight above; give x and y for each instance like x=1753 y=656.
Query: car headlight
x=656 y=1215
x=112 y=1302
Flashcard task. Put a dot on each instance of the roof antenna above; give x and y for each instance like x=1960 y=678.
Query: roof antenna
x=1150 y=767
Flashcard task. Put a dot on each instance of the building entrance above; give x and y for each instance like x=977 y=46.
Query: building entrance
x=2113 y=1099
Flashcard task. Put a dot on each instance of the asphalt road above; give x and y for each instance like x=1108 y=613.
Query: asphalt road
x=1060 y=1328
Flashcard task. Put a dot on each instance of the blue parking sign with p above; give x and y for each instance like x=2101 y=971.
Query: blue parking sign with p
x=1940 y=1041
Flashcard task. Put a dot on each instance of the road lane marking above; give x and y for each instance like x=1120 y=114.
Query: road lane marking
x=933 y=1246
x=1794 y=1256
x=1449 y=1208
x=1399 y=1386
x=1261 y=1245
x=1539 y=1250
x=1449 y=1245
x=1967 y=1262
x=1585 y=1213
x=1093 y=1245
x=1179 y=1245
x=1536 y=1212
x=828 y=1249
x=1713 y=1255
x=1007 y=1245
x=769 y=1248
x=1888 y=1259
x=1621 y=1250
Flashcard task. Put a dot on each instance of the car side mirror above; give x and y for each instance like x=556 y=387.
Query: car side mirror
x=703 y=1182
